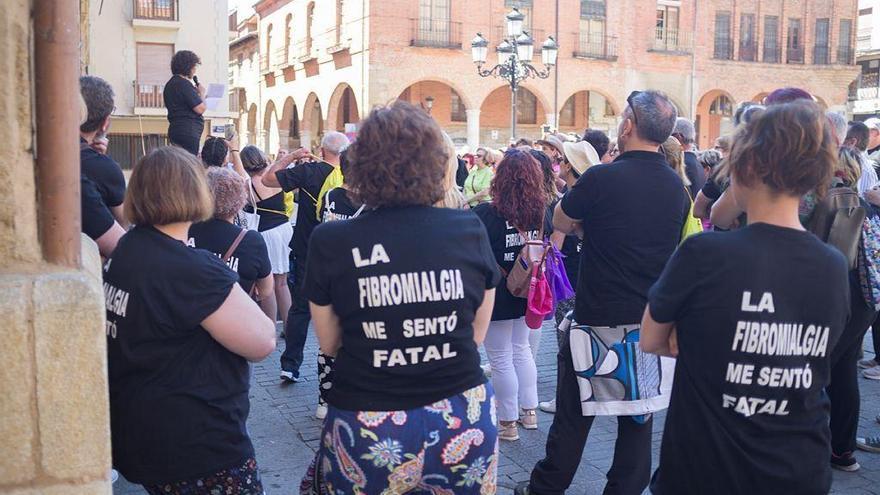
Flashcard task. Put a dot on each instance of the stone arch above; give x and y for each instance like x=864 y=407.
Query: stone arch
x=289 y=125
x=312 y=122
x=250 y=134
x=714 y=116
x=447 y=105
x=343 y=108
x=270 y=127
x=495 y=115
x=759 y=98
x=588 y=108
x=401 y=88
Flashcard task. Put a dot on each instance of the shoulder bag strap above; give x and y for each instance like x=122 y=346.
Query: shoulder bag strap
x=234 y=245
x=359 y=211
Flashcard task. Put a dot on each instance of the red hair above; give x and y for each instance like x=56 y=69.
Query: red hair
x=518 y=190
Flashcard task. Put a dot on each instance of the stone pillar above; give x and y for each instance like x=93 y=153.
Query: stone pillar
x=473 y=129
x=55 y=431
x=551 y=120
x=305 y=138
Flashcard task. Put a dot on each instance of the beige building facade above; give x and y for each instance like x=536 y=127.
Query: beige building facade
x=130 y=44
x=321 y=65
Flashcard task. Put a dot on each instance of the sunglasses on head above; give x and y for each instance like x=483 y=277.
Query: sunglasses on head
x=632 y=108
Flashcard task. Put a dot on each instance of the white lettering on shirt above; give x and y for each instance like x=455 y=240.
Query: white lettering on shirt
x=407 y=288
x=115 y=300
x=377 y=256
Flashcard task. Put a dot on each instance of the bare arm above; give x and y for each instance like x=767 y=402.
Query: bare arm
x=873 y=196
x=269 y=178
x=201 y=107
x=119 y=216
x=557 y=238
x=327 y=328
x=702 y=206
x=725 y=211
x=241 y=327
x=108 y=240
x=657 y=338
x=484 y=316
x=266 y=292
x=235 y=155
x=563 y=223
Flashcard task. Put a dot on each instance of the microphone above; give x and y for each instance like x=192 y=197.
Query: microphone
x=196 y=80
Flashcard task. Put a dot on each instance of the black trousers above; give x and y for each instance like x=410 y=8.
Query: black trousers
x=186 y=140
x=631 y=468
x=843 y=391
x=298 y=317
x=875 y=333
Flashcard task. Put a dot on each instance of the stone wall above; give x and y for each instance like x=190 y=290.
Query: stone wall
x=54 y=433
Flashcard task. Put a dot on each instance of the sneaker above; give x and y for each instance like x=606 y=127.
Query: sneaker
x=528 y=419
x=321 y=411
x=508 y=432
x=522 y=488
x=548 y=407
x=487 y=369
x=872 y=373
x=868 y=363
x=288 y=377
x=846 y=462
x=869 y=444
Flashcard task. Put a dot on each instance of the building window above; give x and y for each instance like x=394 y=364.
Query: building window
x=771 y=39
x=822 y=42
x=458 y=113
x=845 y=50
x=152 y=72
x=310 y=20
x=525 y=8
x=721 y=106
x=795 y=46
x=666 y=35
x=566 y=115
x=340 y=8
x=723 y=45
x=434 y=22
x=526 y=107
x=748 y=41
x=591 y=39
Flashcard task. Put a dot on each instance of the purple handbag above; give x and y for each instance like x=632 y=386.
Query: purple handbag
x=560 y=286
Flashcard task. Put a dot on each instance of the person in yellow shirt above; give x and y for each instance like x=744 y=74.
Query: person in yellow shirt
x=476 y=186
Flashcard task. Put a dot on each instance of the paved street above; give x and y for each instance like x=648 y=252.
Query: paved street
x=285 y=432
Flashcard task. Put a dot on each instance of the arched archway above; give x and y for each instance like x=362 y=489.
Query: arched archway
x=443 y=102
x=312 y=122
x=270 y=127
x=588 y=108
x=714 y=117
x=250 y=136
x=288 y=125
x=495 y=116
x=759 y=98
x=343 y=108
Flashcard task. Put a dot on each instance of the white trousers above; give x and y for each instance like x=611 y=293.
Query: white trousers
x=514 y=375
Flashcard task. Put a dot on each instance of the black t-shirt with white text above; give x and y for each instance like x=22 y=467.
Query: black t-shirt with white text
x=338 y=205
x=506 y=242
x=178 y=398
x=181 y=96
x=308 y=177
x=632 y=212
x=96 y=218
x=104 y=172
x=758 y=312
x=250 y=260
x=406 y=284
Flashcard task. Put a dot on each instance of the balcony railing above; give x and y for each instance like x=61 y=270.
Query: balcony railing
x=821 y=55
x=337 y=40
x=590 y=45
x=281 y=57
x=748 y=51
x=794 y=55
x=160 y=10
x=723 y=48
x=264 y=63
x=435 y=33
x=148 y=95
x=868 y=93
x=845 y=55
x=771 y=55
x=304 y=51
x=672 y=41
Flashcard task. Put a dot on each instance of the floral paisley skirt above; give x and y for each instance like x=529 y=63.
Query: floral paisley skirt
x=243 y=479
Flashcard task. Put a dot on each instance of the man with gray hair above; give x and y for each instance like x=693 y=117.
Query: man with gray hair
x=838 y=124
x=631 y=213
x=685 y=133
x=313 y=177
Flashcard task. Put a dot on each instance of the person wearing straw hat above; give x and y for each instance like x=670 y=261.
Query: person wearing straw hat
x=552 y=145
x=577 y=158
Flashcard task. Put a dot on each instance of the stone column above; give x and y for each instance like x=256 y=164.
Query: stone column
x=551 y=120
x=473 y=129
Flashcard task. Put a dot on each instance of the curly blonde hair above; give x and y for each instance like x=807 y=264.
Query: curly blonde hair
x=229 y=190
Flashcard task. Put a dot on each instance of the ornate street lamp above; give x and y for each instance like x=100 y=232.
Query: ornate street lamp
x=515 y=54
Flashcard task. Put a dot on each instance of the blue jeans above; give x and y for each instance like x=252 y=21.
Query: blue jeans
x=298 y=318
x=450 y=446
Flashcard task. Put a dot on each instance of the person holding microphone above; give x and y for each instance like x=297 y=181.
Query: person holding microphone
x=185 y=101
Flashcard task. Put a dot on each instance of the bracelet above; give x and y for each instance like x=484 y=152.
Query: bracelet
x=234 y=151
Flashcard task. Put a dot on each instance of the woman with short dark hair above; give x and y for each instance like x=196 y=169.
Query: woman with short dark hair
x=185 y=101
x=180 y=333
x=401 y=295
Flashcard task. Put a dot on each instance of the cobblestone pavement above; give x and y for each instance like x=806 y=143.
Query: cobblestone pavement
x=285 y=433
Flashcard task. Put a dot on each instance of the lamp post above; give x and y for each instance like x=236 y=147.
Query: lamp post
x=429 y=104
x=514 y=58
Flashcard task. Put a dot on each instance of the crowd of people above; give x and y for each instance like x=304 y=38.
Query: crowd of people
x=731 y=286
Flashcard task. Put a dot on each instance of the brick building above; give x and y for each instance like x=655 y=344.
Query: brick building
x=323 y=65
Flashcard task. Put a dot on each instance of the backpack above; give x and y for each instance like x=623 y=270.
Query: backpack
x=533 y=254
x=837 y=220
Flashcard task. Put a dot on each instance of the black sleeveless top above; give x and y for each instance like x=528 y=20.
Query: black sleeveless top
x=271 y=210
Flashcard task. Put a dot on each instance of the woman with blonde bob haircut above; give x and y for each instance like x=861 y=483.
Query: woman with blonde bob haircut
x=180 y=333
x=741 y=308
